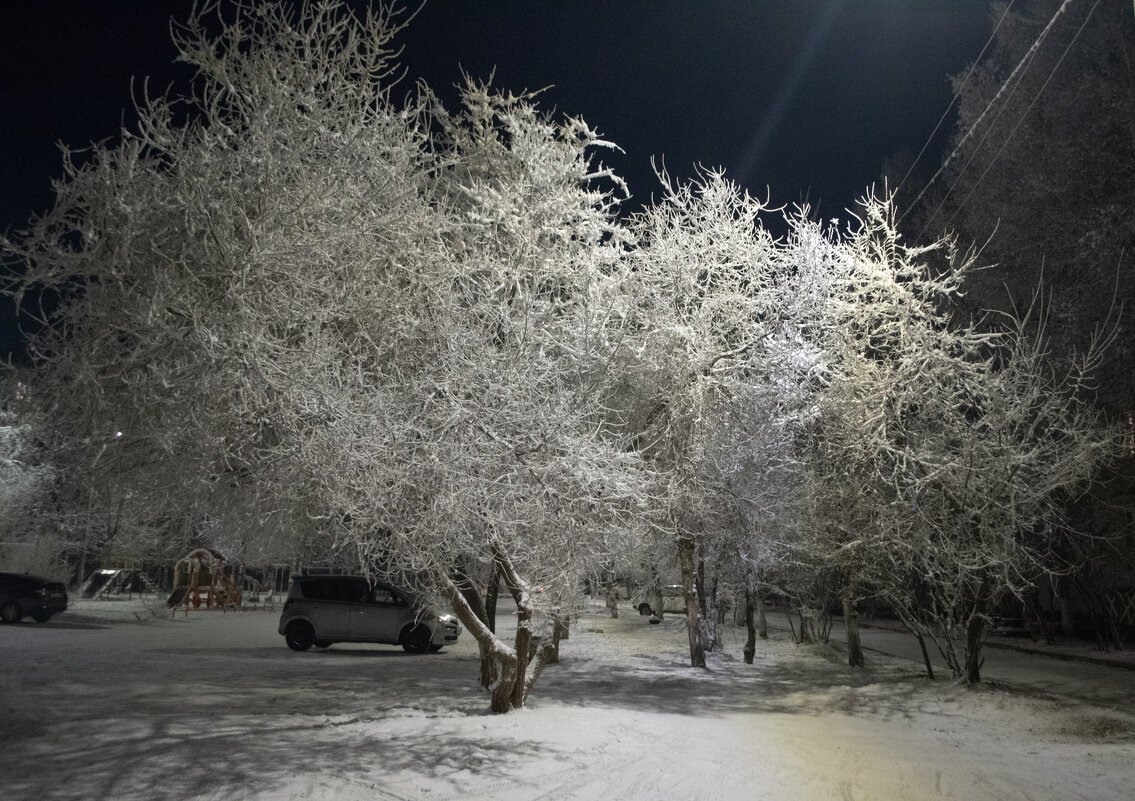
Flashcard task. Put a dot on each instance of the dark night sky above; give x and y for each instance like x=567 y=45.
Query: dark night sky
x=806 y=97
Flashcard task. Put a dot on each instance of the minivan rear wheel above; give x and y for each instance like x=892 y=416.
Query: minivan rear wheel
x=299 y=635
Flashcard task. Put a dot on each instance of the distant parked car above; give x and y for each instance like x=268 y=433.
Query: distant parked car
x=23 y=595
x=324 y=610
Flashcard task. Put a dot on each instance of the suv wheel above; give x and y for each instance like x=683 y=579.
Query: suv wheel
x=417 y=640
x=10 y=612
x=299 y=635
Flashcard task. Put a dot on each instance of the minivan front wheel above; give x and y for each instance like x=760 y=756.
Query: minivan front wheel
x=417 y=640
x=299 y=635
x=10 y=612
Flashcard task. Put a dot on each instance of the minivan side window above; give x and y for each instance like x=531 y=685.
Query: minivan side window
x=329 y=589
x=351 y=590
x=319 y=590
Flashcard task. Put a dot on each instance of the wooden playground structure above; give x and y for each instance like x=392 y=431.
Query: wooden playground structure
x=202 y=580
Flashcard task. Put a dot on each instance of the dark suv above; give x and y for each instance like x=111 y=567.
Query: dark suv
x=322 y=610
x=23 y=596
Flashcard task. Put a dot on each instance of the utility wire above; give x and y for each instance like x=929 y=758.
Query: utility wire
x=953 y=100
x=1023 y=64
x=1013 y=132
x=977 y=149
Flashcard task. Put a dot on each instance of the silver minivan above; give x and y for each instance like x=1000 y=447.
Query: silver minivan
x=323 y=610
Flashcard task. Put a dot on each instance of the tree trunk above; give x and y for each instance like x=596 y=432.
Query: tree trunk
x=489 y=672
x=523 y=649
x=975 y=632
x=612 y=598
x=82 y=574
x=560 y=631
x=975 y=638
x=530 y=654
x=851 y=622
x=492 y=589
x=704 y=615
x=503 y=657
x=713 y=614
x=543 y=657
x=762 y=621
x=792 y=627
x=514 y=679
x=693 y=624
x=925 y=655
x=523 y=644
x=504 y=693
x=1067 y=626
x=750 y=626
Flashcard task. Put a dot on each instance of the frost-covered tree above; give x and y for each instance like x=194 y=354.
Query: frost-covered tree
x=945 y=450
x=26 y=479
x=371 y=323
x=1042 y=174
x=697 y=299
x=525 y=480
x=761 y=450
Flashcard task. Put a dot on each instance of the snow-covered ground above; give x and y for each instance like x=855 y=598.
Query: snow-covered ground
x=109 y=702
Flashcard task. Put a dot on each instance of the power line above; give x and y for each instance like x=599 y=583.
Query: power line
x=954 y=99
x=1013 y=132
x=1021 y=65
x=978 y=147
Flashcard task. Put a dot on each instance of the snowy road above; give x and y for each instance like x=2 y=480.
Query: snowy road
x=215 y=708
x=1112 y=687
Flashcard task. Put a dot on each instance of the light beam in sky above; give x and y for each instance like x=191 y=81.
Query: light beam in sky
x=753 y=159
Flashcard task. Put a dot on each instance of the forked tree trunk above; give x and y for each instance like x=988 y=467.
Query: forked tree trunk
x=762 y=620
x=851 y=621
x=527 y=648
x=523 y=643
x=503 y=695
x=686 y=559
x=503 y=657
x=489 y=672
x=514 y=676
